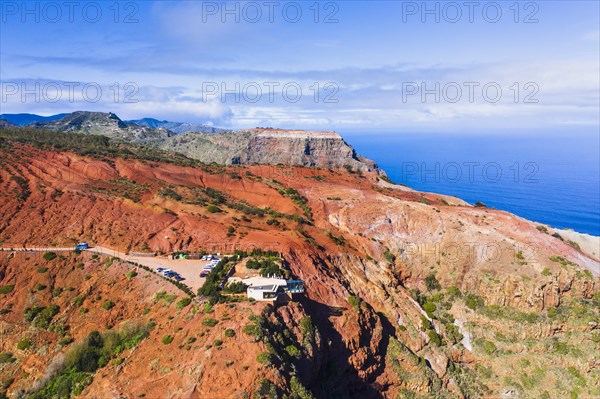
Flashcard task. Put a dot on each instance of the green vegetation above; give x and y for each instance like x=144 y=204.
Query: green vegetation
x=264 y=358
x=183 y=302
x=84 y=358
x=209 y=322
x=6 y=289
x=7 y=357
x=42 y=269
x=48 y=256
x=131 y=274
x=108 y=305
x=229 y=333
x=237 y=287
x=167 y=339
x=39 y=316
x=167 y=299
x=24 y=344
x=354 y=301
x=432 y=283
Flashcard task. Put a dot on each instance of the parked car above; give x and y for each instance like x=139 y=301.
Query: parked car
x=204 y=273
x=160 y=269
x=81 y=246
x=179 y=278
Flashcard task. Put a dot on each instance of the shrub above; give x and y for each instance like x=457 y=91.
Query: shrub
x=264 y=358
x=131 y=274
x=7 y=357
x=488 y=347
x=431 y=282
x=66 y=340
x=425 y=324
x=108 y=305
x=229 y=333
x=213 y=209
x=252 y=329
x=306 y=326
x=24 y=344
x=166 y=298
x=293 y=351
x=434 y=337
x=48 y=256
x=354 y=301
x=473 y=301
x=39 y=287
x=453 y=291
x=209 y=322
x=429 y=308
x=78 y=300
x=57 y=291
x=237 y=287
x=183 y=302
x=546 y=272
x=6 y=289
x=44 y=316
x=218 y=342
x=42 y=269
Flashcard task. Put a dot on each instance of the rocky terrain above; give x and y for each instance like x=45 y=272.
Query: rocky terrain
x=408 y=294
x=176 y=127
x=105 y=124
x=208 y=145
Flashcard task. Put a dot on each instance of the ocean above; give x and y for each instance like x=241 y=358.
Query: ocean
x=550 y=179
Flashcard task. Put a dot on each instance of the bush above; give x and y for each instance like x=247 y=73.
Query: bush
x=213 y=209
x=209 y=322
x=24 y=344
x=7 y=357
x=39 y=287
x=488 y=347
x=252 y=329
x=354 y=301
x=229 y=333
x=473 y=301
x=264 y=358
x=131 y=274
x=293 y=351
x=167 y=339
x=218 y=342
x=237 y=287
x=425 y=324
x=429 y=308
x=431 y=282
x=6 y=289
x=166 y=298
x=43 y=316
x=42 y=269
x=48 y=256
x=434 y=337
x=183 y=302
x=108 y=305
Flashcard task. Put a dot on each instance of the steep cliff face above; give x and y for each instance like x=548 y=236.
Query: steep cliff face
x=271 y=146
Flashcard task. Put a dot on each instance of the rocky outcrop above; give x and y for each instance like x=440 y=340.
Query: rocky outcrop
x=271 y=146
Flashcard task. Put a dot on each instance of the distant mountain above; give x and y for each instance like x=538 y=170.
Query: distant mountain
x=105 y=124
x=5 y=123
x=260 y=145
x=25 y=119
x=177 y=127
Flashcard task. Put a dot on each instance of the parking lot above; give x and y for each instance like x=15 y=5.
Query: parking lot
x=188 y=269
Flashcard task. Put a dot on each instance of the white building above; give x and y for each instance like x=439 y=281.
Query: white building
x=269 y=288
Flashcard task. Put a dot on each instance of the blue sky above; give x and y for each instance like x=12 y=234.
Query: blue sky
x=368 y=61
